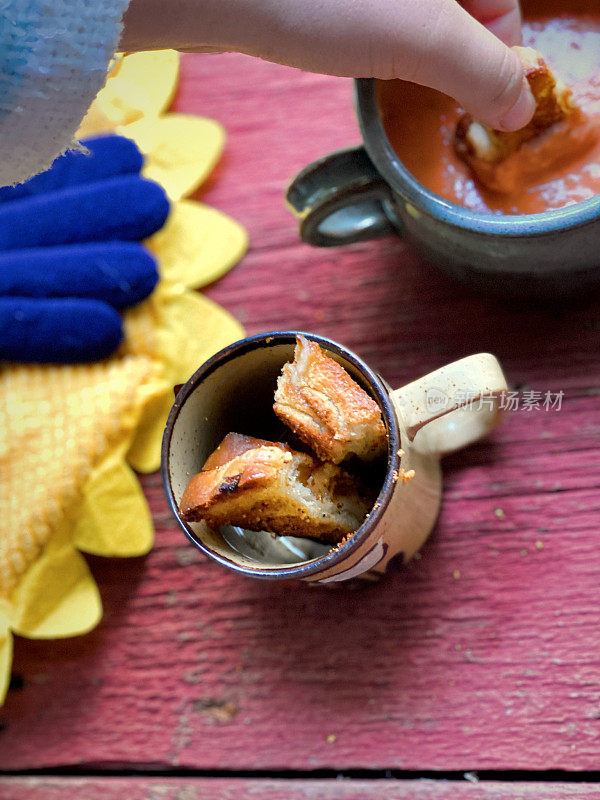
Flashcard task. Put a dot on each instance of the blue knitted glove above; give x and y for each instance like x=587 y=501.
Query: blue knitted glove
x=57 y=330
x=118 y=273
x=126 y=207
x=70 y=255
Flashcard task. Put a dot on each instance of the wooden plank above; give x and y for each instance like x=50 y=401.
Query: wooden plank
x=483 y=654
x=45 y=788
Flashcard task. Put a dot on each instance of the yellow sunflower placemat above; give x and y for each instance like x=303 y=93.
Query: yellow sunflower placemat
x=72 y=436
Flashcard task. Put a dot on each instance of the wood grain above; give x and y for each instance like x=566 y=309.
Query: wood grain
x=139 y=788
x=482 y=654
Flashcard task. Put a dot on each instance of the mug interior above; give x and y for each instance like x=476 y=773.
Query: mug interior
x=234 y=392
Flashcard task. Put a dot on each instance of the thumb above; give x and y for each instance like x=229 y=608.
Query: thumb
x=433 y=42
x=462 y=58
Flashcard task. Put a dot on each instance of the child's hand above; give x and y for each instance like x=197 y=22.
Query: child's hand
x=444 y=44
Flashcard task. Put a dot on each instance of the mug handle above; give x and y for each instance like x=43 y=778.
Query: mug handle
x=338 y=200
x=453 y=406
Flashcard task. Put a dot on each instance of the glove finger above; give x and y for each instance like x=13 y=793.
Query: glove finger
x=118 y=273
x=108 y=156
x=52 y=331
x=127 y=207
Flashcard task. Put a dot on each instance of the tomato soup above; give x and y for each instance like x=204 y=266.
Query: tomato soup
x=420 y=122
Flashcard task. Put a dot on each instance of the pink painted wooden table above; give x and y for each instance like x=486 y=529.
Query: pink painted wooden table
x=482 y=656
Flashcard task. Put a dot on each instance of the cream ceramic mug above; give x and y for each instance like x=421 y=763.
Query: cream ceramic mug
x=425 y=420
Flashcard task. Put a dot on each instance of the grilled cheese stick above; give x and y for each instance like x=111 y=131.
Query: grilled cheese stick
x=328 y=410
x=261 y=485
x=556 y=128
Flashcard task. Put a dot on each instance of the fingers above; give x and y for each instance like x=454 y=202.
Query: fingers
x=467 y=61
x=188 y=25
x=57 y=330
x=501 y=17
x=125 y=207
x=433 y=42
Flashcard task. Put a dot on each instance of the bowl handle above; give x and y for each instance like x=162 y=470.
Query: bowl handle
x=338 y=200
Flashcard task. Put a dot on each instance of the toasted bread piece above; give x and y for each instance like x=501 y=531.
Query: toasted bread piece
x=488 y=152
x=325 y=408
x=262 y=485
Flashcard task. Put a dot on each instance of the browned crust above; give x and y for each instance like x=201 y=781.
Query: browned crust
x=251 y=483
x=236 y=444
x=239 y=463
x=484 y=148
x=326 y=408
x=262 y=518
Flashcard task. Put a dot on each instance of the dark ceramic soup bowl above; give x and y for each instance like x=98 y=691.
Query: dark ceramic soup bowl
x=366 y=192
